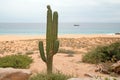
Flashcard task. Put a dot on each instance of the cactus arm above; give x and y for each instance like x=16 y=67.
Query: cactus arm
x=56 y=46
x=42 y=53
x=55 y=25
x=55 y=33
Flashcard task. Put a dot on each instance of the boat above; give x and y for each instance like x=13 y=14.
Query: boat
x=76 y=25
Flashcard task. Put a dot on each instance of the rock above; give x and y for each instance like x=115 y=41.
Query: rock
x=14 y=74
x=117 y=33
x=116 y=67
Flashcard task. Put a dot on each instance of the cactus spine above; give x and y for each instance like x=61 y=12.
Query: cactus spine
x=52 y=44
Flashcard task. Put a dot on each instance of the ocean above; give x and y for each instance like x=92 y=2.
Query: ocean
x=64 y=28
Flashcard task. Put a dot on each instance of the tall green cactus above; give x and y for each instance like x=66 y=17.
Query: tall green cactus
x=52 y=44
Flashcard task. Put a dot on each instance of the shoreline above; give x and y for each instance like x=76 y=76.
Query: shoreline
x=27 y=37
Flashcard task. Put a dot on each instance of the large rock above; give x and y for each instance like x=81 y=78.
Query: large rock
x=14 y=74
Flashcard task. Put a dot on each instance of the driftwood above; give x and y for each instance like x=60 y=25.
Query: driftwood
x=116 y=67
x=108 y=67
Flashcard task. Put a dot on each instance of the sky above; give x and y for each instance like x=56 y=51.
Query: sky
x=34 y=11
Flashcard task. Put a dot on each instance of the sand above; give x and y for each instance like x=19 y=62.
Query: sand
x=80 y=44
x=25 y=37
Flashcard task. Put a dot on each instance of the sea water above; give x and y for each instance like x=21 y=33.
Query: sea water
x=64 y=28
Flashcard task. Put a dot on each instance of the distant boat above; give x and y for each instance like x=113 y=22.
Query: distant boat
x=76 y=25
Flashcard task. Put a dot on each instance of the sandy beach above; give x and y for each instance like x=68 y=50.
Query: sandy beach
x=26 y=37
x=80 y=44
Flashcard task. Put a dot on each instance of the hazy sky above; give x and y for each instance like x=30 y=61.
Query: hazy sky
x=69 y=10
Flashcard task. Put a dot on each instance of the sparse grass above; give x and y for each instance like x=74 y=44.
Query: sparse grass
x=19 y=53
x=59 y=76
x=93 y=57
x=103 y=53
x=15 y=61
x=66 y=51
x=54 y=76
x=70 y=55
x=29 y=52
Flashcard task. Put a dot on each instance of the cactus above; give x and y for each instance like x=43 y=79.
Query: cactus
x=52 y=44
